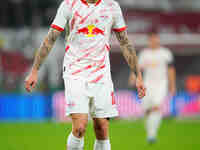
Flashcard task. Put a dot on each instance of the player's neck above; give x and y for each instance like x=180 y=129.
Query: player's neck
x=91 y=1
x=155 y=47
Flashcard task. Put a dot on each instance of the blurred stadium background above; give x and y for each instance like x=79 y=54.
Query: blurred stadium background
x=37 y=121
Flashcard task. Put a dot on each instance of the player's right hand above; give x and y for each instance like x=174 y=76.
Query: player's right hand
x=31 y=81
x=140 y=88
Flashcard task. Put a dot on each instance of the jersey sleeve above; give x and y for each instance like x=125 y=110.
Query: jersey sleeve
x=62 y=16
x=119 y=23
x=169 y=57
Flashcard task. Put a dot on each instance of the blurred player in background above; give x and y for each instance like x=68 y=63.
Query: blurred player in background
x=157 y=64
x=86 y=67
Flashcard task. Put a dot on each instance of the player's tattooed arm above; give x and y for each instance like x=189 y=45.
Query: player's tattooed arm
x=45 y=48
x=132 y=60
x=128 y=52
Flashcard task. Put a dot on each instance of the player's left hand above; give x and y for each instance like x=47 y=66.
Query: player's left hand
x=140 y=88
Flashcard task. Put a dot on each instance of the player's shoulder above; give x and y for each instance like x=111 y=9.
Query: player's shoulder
x=166 y=54
x=166 y=50
x=65 y=3
x=111 y=3
x=144 y=52
x=69 y=2
x=65 y=7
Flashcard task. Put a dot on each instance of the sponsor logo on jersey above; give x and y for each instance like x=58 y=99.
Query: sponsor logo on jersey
x=90 y=31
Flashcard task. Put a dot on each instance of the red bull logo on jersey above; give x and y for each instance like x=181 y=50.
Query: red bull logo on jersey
x=90 y=31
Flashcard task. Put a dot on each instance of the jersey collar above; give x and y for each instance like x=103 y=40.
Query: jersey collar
x=85 y=2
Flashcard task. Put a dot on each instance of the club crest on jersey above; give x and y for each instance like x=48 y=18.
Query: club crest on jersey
x=90 y=31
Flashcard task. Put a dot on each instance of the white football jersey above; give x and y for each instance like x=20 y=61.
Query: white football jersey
x=155 y=65
x=87 y=47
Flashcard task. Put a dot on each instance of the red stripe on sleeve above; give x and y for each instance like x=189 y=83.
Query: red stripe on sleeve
x=120 y=29
x=57 y=27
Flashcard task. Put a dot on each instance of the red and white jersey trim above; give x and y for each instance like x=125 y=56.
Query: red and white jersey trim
x=57 y=27
x=120 y=29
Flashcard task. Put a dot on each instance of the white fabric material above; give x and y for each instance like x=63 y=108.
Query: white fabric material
x=87 y=56
x=63 y=15
x=74 y=143
x=153 y=124
x=155 y=66
x=118 y=18
x=155 y=95
x=102 y=145
x=96 y=99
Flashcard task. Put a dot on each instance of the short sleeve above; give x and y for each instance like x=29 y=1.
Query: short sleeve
x=169 y=57
x=119 y=23
x=62 y=16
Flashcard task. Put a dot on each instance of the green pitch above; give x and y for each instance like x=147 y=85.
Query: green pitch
x=125 y=135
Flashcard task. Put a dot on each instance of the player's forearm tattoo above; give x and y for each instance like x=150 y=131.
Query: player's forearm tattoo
x=128 y=51
x=45 y=48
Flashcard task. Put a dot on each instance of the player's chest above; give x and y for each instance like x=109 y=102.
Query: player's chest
x=155 y=60
x=91 y=15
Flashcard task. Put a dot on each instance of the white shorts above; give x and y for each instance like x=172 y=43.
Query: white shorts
x=96 y=99
x=155 y=95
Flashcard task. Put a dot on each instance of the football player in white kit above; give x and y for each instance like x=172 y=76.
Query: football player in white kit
x=156 y=62
x=86 y=66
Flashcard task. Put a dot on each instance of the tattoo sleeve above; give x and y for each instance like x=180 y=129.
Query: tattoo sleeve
x=45 y=48
x=128 y=52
